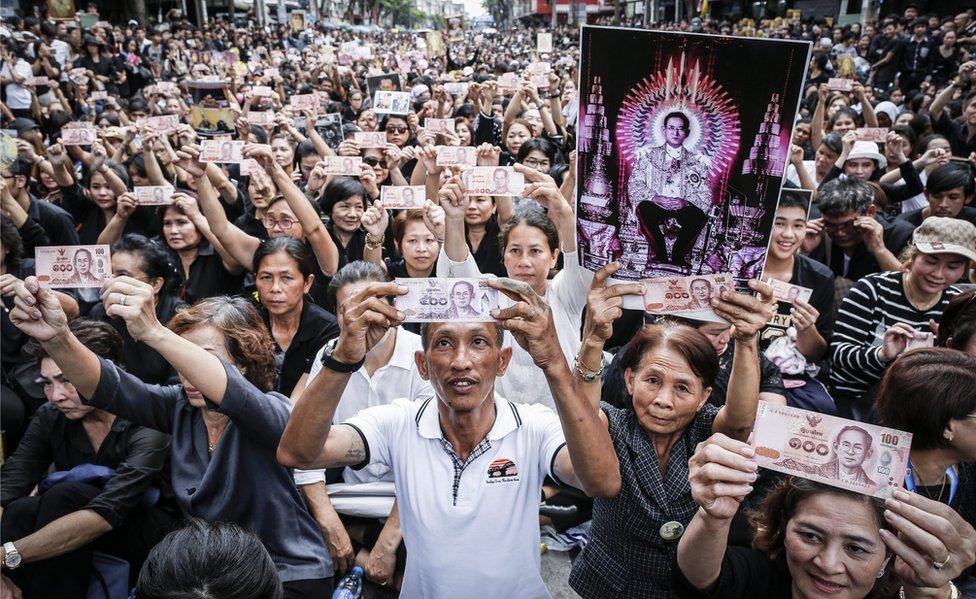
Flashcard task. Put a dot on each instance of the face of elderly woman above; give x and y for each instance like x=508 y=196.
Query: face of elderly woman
x=667 y=393
x=833 y=548
x=212 y=340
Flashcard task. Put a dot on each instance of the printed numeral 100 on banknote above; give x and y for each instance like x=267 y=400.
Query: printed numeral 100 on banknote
x=842 y=453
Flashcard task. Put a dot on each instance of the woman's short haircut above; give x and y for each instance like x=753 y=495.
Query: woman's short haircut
x=291 y=247
x=833 y=142
x=414 y=215
x=926 y=388
x=338 y=190
x=246 y=338
x=206 y=560
x=100 y=337
x=156 y=262
x=537 y=144
x=686 y=341
x=354 y=272
x=844 y=195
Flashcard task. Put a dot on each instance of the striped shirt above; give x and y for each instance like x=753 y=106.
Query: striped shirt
x=874 y=304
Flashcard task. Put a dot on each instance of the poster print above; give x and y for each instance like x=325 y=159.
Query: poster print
x=682 y=152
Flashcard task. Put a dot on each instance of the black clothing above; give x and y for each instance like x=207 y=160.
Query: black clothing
x=352 y=252
x=137 y=357
x=897 y=234
x=208 y=277
x=653 y=216
x=894 y=193
x=955 y=130
x=91 y=220
x=137 y=454
x=488 y=256
x=746 y=573
x=812 y=275
x=316 y=326
x=57 y=222
x=915 y=216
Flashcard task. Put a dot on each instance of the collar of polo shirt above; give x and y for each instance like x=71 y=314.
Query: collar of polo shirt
x=507 y=419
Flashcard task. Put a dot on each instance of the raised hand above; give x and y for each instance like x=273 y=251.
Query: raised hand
x=364 y=319
x=434 y=218
x=133 y=301
x=747 y=314
x=488 y=155
x=529 y=320
x=604 y=304
x=188 y=159
x=721 y=473
x=37 y=312
x=453 y=198
x=126 y=205
x=375 y=219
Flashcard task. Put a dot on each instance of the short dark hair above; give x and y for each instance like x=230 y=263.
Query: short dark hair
x=833 y=142
x=951 y=176
x=844 y=195
x=425 y=333
x=291 y=247
x=677 y=114
x=537 y=144
x=156 y=262
x=926 y=388
x=338 y=190
x=794 y=198
x=958 y=323
x=120 y=171
x=354 y=272
x=687 y=341
x=206 y=560
x=98 y=336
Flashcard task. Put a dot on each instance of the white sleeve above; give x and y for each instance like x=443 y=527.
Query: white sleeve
x=571 y=286
x=449 y=269
x=309 y=477
x=380 y=428
x=549 y=434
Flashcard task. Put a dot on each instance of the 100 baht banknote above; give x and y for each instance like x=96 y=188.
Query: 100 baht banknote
x=678 y=295
x=72 y=266
x=441 y=300
x=856 y=456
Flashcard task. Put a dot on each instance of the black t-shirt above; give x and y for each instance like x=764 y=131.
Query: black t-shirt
x=813 y=275
x=746 y=574
x=316 y=326
x=488 y=257
x=208 y=277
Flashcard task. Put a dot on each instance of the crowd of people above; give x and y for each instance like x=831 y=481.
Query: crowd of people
x=240 y=410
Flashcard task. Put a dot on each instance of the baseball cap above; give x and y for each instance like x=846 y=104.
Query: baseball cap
x=944 y=235
x=23 y=124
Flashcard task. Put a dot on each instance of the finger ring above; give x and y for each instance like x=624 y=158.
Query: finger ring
x=123 y=299
x=942 y=564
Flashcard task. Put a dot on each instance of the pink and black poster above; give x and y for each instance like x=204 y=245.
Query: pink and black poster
x=682 y=144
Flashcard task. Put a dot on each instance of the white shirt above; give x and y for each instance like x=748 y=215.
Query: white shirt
x=566 y=295
x=399 y=378
x=471 y=529
x=809 y=165
x=18 y=96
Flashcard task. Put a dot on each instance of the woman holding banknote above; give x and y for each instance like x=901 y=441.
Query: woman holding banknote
x=812 y=540
x=929 y=393
x=670 y=370
x=531 y=243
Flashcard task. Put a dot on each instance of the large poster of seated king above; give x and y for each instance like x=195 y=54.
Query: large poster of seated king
x=682 y=144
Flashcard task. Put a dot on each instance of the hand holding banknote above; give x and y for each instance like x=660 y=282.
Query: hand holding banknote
x=37 y=311
x=747 y=313
x=721 y=473
x=529 y=320
x=932 y=543
x=364 y=318
x=604 y=305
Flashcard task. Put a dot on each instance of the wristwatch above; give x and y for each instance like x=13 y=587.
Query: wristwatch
x=11 y=557
x=335 y=365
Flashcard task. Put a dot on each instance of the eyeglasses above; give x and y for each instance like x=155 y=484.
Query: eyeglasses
x=544 y=164
x=371 y=160
x=285 y=223
x=394 y=129
x=847 y=225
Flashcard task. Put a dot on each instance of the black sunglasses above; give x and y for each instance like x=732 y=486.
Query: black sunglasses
x=371 y=160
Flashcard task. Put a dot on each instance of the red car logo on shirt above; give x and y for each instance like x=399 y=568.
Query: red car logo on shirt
x=502 y=468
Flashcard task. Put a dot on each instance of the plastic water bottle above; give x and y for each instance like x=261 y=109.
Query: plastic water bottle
x=351 y=585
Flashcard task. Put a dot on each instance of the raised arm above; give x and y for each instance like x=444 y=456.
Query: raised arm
x=588 y=461
x=748 y=316
x=375 y=220
x=721 y=473
x=817 y=121
x=455 y=203
x=310 y=440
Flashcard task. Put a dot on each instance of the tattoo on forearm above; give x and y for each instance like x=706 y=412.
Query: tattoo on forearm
x=355 y=453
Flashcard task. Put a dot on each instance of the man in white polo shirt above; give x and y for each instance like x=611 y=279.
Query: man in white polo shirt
x=468 y=464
